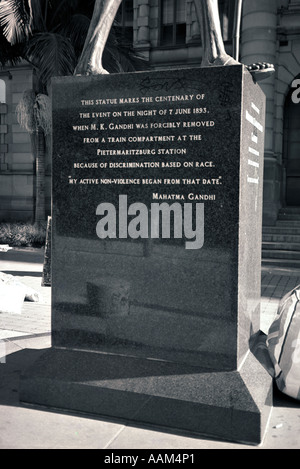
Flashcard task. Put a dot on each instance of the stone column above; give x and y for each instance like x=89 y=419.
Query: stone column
x=258 y=44
x=142 y=24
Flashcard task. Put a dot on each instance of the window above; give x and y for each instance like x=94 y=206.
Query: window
x=2 y=91
x=124 y=19
x=226 y=9
x=173 y=22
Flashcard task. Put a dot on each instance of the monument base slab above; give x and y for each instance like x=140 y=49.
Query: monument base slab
x=231 y=405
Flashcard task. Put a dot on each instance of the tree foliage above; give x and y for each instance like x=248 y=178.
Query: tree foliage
x=50 y=34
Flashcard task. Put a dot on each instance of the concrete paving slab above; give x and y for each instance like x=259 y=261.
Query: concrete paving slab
x=25 y=428
x=146 y=438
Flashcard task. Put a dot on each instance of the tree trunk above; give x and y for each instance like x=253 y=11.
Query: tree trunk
x=40 y=215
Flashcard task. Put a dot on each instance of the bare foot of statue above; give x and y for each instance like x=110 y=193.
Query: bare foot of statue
x=90 y=69
x=259 y=70
x=218 y=61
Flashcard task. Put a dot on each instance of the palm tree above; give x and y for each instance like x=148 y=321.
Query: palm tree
x=34 y=115
x=50 y=35
x=35 y=28
x=46 y=31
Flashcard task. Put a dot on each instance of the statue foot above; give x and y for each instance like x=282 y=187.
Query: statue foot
x=261 y=70
x=219 y=61
x=82 y=70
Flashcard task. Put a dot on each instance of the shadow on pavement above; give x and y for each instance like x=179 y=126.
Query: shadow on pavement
x=10 y=371
x=282 y=400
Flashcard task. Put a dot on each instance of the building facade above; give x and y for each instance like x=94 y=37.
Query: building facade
x=16 y=157
x=167 y=34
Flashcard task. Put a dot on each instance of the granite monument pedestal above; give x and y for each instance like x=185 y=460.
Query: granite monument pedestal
x=156 y=252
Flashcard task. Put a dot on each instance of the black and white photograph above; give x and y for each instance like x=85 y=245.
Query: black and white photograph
x=150 y=227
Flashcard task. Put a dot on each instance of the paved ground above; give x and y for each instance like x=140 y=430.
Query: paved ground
x=24 y=337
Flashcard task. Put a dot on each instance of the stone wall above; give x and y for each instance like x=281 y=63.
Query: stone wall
x=17 y=163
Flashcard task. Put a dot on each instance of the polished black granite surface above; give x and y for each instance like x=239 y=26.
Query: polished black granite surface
x=165 y=297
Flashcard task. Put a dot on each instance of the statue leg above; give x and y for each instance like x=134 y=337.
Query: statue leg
x=214 y=53
x=90 y=62
x=213 y=46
